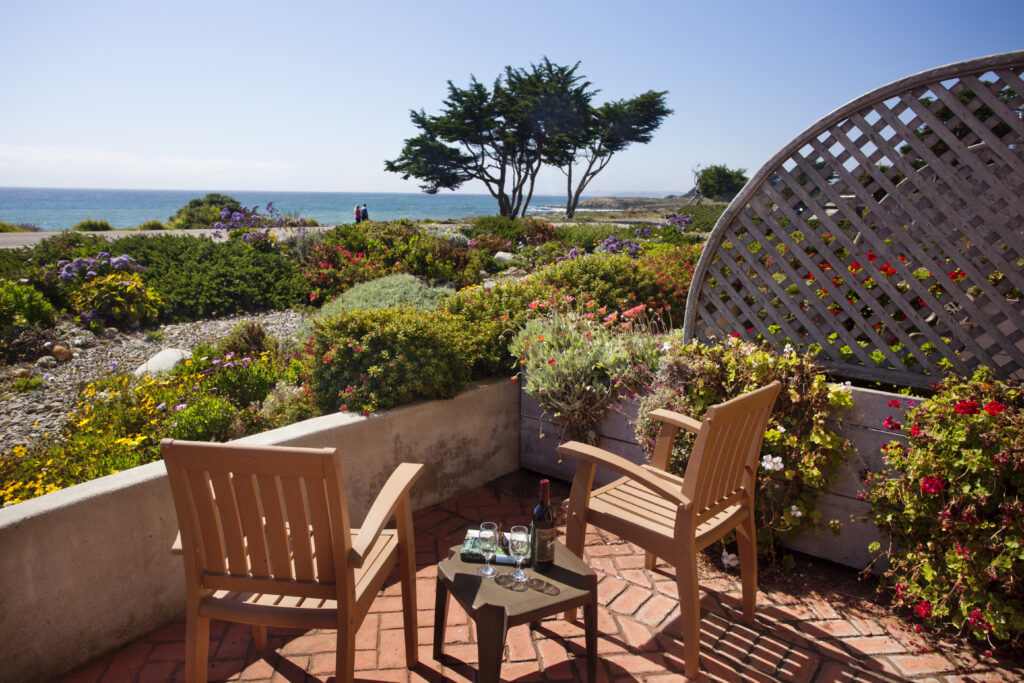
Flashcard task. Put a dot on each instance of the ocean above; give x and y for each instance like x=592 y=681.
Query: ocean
x=60 y=209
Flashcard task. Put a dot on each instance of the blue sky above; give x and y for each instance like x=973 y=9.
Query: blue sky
x=315 y=95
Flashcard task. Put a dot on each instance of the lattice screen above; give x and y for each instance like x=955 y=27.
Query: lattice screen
x=891 y=233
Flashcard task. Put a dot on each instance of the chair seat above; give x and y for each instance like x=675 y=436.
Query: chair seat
x=631 y=510
x=294 y=611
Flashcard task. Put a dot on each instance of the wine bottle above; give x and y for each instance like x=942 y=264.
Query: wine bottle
x=542 y=530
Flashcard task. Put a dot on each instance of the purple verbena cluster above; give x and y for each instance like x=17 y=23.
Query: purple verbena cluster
x=679 y=221
x=85 y=269
x=572 y=253
x=612 y=245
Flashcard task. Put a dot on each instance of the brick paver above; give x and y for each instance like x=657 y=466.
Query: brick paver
x=801 y=633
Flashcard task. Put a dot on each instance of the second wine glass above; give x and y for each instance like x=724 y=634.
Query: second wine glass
x=520 y=545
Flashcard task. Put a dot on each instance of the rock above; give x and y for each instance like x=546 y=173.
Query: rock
x=503 y=257
x=47 y=362
x=22 y=372
x=110 y=332
x=161 y=362
x=61 y=353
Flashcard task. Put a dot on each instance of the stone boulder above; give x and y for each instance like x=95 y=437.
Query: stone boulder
x=161 y=362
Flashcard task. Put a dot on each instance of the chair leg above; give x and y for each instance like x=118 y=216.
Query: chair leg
x=345 y=657
x=650 y=560
x=259 y=637
x=407 y=572
x=689 y=608
x=197 y=648
x=746 y=541
x=575 y=535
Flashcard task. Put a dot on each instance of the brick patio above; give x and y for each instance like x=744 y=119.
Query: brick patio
x=814 y=626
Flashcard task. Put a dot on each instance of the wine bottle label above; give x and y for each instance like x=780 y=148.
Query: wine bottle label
x=546 y=544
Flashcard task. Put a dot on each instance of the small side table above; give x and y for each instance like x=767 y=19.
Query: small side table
x=495 y=605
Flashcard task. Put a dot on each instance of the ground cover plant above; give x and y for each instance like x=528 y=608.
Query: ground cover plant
x=952 y=504
x=217 y=394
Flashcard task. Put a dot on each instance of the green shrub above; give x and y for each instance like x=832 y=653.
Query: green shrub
x=22 y=304
x=392 y=291
x=702 y=217
x=92 y=225
x=23 y=384
x=509 y=228
x=952 y=503
x=585 y=236
x=801 y=453
x=574 y=367
x=65 y=245
x=614 y=281
x=249 y=337
x=203 y=213
x=243 y=379
x=671 y=270
x=152 y=225
x=441 y=260
x=197 y=278
x=7 y=227
x=496 y=313
x=208 y=419
x=375 y=360
x=118 y=299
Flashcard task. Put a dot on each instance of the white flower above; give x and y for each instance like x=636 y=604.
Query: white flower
x=729 y=560
x=787 y=349
x=666 y=347
x=780 y=428
x=772 y=464
x=795 y=511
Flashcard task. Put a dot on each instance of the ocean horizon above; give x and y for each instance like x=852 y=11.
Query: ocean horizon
x=61 y=208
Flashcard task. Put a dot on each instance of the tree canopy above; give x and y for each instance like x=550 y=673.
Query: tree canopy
x=203 y=213
x=721 y=183
x=503 y=135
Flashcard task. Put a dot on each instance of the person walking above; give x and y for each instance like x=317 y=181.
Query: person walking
x=359 y=214
x=365 y=215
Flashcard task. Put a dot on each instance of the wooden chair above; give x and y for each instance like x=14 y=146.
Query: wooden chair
x=266 y=539
x=675 y=517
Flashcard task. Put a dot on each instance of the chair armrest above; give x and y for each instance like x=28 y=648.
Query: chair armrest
x=396 y=488
x=677 y=419
x=599 y=456
x=176 y=547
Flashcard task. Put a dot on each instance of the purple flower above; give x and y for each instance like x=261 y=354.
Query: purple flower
x=161 y=406
x=113 y=365
x=181 y=406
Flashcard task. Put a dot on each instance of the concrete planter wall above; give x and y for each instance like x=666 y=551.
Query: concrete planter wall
x=861 y=424
x=540 y=434
x=87 y=569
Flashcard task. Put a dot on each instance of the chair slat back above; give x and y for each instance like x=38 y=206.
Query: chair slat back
x=261 y=513
x=724 y=458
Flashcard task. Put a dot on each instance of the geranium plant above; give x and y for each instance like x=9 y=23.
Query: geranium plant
x=950 y=502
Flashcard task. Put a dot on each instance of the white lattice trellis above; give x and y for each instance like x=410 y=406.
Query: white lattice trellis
x=890 y=233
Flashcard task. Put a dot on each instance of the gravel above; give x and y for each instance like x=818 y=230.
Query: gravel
x=27 y=417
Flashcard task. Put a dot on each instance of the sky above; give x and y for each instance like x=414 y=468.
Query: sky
x=315 y=96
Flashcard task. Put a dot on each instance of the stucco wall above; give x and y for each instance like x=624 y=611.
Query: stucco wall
x=87 y=569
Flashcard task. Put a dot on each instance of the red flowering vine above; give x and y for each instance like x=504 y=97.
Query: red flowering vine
x=931 y=485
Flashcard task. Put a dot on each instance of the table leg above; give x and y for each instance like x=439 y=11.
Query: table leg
x=440 y=617
x=491 y=627
x=590 y=639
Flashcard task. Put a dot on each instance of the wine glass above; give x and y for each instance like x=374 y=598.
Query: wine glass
x=520 y=545
x=488 y=539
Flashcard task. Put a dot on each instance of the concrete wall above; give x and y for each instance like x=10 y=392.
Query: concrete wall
x=87 y=569
x=862 y=425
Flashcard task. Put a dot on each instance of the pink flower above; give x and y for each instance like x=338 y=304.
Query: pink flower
x=931 y=485
x=894 y=403
x=735 y=335
x=994 y=407
x=891 y=424
x=924 y=610
x=915 y=430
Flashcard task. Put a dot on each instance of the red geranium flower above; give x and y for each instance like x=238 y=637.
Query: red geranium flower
x=924 y=610
x=966 y=407
x=915 y=430
x=931 y=485
x=994 y=407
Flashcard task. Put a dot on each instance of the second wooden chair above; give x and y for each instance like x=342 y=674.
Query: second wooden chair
x=675 y=517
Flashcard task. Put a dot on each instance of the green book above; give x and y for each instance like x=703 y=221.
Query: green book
x=471 y=551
